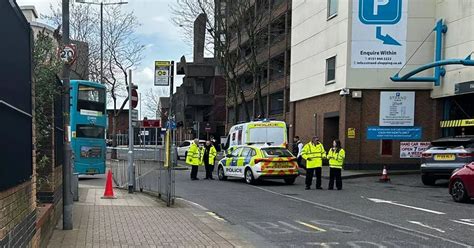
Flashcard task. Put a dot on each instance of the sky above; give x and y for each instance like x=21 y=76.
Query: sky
x=161 y=38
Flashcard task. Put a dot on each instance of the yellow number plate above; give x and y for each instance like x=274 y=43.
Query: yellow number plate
x=444 y=157
x=91 y=171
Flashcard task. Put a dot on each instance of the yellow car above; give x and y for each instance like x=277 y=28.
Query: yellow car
x=253 y=163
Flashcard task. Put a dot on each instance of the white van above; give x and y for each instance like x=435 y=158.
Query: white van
x=271 y=133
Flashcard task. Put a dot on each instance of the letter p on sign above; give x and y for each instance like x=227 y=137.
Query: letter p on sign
x=380 y=12
x=378 y=3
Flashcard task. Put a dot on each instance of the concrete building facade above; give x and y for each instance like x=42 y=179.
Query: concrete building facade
x=274 y=60
x=324 y=52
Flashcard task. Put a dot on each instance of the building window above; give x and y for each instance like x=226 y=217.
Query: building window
x=276 y=103
x=332 y=8
x=331 y=70
x=386 y=149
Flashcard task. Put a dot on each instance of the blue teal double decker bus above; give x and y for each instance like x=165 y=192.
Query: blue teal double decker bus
x=88 y=125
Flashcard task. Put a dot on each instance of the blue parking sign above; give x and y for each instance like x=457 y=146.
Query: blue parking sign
x=380 y=12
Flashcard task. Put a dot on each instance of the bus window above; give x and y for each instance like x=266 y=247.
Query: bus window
x=91 y=98
x=89 y=131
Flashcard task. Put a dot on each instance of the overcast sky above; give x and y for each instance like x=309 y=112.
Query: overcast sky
x=161 y=37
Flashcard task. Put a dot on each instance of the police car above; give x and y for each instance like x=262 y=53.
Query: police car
x=253 y=162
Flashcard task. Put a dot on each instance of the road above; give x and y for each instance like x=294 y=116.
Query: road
x=366 y=213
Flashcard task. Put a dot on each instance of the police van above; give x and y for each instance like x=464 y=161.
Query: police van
x=265 y=132
x=256 y=162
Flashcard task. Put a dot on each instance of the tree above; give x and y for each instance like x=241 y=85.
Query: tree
x=236 y=32
x=46 y=66
x=151 y=102
x=122 y=49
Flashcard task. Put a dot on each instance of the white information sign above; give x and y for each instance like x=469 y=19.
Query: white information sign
x=162 y=73
x=413 y=149
x=379 y=33
x=397 y=108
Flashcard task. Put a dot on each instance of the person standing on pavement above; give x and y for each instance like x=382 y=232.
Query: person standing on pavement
x=313 y=153
x=208 y=156
x=336 y=157
x=297 y=149
x=193 y=158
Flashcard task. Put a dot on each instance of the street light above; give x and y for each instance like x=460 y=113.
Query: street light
x=101 y=32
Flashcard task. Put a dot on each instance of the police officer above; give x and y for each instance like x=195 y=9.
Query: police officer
x=313 y=153
x=336 y=157
x=297 y=148
x=208 y=155
x=193 y=158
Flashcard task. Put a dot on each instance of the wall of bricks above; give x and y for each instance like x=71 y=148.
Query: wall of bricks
x=358 y=114
x=17 y=215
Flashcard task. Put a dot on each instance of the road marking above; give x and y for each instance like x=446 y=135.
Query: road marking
x=412 y=234
x=462 y=222
x=325 y=209
x=215 y=216
x=324 y=245
x=403 y=205
x=310 y=226
x=424 y=225
x=364 y=217
x=360 y=219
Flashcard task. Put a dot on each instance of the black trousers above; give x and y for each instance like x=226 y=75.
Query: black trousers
x=310 y=174
x=335 y=174
x=194 y=171
x=209 y=170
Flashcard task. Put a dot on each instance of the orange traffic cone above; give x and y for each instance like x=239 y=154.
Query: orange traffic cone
x=384 y=177
x=109 y=190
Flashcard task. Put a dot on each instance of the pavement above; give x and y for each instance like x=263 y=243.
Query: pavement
x=138 y=220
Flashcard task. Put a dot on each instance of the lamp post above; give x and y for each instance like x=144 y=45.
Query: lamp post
x=101 y=33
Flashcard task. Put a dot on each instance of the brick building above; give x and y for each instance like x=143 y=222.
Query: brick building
x=341 y=76
x=273 y=58
x=18 y=212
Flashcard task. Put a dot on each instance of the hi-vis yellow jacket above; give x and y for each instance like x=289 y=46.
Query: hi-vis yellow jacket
x=336 y=158
x=193 y=156
x=212 y=155
x=313 y=154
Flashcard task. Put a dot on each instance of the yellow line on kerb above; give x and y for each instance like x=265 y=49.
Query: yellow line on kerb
x=215 y=216
x=311 y=226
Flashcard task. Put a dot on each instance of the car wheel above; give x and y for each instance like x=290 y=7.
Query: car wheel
x=458 y=191
x=428 y=180
x=249 y=176
x=220 y=174
x=290 y=180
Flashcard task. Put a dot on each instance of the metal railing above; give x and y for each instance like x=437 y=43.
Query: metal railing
x=151 y=174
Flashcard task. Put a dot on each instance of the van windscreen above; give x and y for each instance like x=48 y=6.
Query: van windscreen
x=273 y=135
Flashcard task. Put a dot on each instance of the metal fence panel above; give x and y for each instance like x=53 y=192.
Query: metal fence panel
x=151 y=175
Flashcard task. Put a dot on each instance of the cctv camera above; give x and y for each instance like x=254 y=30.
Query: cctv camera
x=344 y=92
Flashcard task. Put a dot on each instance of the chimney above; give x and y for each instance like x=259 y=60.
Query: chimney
x=199 y=38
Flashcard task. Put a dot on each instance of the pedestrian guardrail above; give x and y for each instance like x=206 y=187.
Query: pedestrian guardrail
x=151 y=175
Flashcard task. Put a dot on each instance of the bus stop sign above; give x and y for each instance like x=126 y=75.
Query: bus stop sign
x=134 y=98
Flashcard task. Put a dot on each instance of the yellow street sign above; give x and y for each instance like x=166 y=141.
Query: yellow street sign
x=351 y=133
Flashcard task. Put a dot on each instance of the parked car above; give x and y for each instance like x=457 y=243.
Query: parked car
x=254 y=163
x=461 y=183
x=444 y=156
x=184 y=147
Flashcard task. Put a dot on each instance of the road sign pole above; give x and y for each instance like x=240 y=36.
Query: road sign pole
x=67 y=161
x=131 y=169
